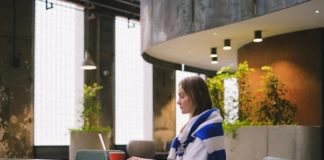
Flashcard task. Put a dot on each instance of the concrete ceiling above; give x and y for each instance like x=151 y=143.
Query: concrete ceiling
x=194 y=49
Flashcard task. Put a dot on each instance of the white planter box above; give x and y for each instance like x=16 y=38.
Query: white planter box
x=87 y=140
x=287 y=141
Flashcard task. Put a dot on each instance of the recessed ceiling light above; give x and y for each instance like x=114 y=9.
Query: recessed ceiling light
x=317 y=11
x=215 y=33
x=189 y=52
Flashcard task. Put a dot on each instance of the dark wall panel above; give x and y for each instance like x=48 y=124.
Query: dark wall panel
x=51 y=152
x=322 y=64
x=296 y=59
x=163 y=106
x=102 y=49
x=106 y=59
x=16 y=91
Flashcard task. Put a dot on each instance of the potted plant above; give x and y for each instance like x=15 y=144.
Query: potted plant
x=86 y=137
x=261 y=126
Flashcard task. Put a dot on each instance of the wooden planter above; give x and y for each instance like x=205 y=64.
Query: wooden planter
x=292 y=142
x=87 y=140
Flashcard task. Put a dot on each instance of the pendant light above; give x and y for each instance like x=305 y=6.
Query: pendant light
x=257 y=36
x=214 y=56
x=227 y=44
x=214 y=60
x=213 y=52
x=88 y=63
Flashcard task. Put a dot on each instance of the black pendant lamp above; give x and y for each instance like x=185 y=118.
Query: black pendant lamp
x=214 y=60
x=227 y=44
x=213 y=52
x=214 y=56
x=88 y=63
x=257 y=36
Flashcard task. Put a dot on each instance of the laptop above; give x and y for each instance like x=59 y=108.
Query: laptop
x=103 y=146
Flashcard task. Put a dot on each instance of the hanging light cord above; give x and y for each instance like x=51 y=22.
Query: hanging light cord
x=87 y=29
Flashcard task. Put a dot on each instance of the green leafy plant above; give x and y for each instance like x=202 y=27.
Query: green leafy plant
x=232 y=127
x=216 y=87
x=274 y=108
x=91 y=107
x=245 y=98
x=91 y=113
x=93 y=129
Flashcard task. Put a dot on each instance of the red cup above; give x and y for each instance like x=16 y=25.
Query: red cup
x=116 y=155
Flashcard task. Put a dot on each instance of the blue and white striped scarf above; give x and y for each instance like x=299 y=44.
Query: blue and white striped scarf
x=207 y=126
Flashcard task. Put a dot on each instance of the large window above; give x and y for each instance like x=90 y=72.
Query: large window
x=230 y=99
x=133 y=103
x=58 y=77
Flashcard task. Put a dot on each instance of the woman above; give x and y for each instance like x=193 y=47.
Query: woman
x=202 y=138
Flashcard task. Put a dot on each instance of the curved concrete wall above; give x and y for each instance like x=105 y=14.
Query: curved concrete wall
x=266 y=6
x=296 y=59
x=167 y=19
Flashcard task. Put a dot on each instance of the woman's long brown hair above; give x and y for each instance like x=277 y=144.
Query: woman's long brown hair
x=197 y=91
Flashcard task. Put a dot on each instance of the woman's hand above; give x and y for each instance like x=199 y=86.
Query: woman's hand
x=137 y=158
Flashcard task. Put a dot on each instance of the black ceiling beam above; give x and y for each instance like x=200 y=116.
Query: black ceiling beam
x=129 y=3
x=111 y=13
x=113 y=7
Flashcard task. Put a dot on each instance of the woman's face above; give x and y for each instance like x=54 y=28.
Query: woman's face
x=183 y=101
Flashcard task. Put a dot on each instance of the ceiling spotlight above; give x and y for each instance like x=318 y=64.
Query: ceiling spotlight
x=257 y=36
x=213 y=52
x=214 y=60
x=227 y=44
x=317 y=11
x=215 y=33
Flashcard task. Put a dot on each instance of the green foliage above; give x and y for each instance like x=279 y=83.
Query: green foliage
x=92 y=108
x=91 y=113
x=245 y=100
x=216 y=87
x=92 y=129
x=232 y=127
x=274 y=108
